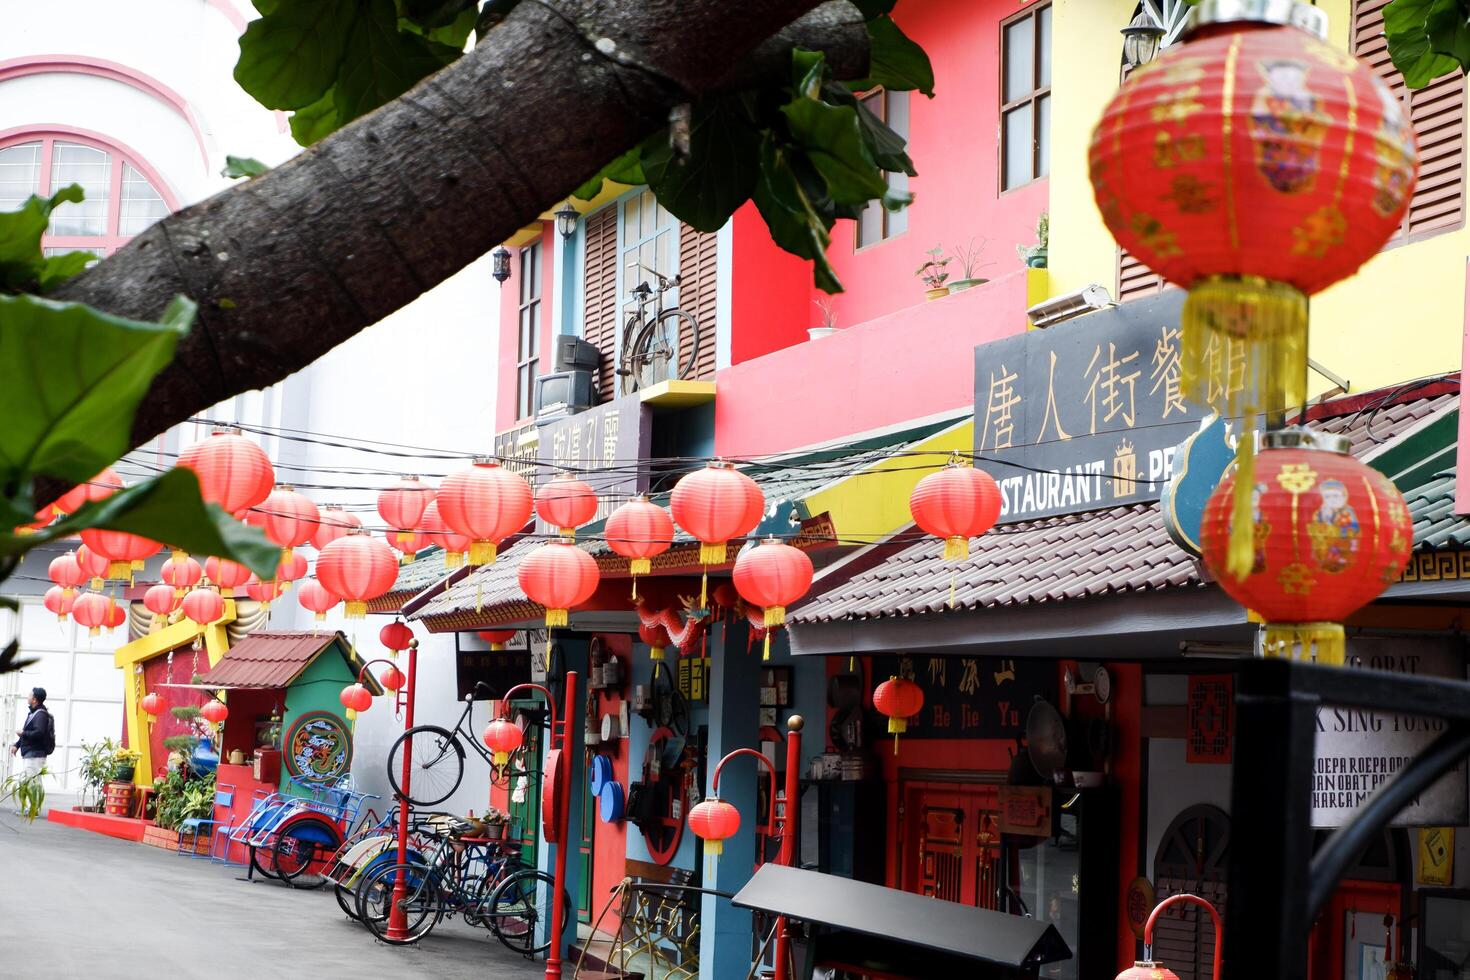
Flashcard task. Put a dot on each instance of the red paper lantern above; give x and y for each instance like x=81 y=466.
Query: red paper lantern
x=292 y=568
x=714 y=821
x=91 y=609
x=357 y=568
x=204 y=606
x=403 y=504
x=59 y=602
x=125 y=552
x=357 y=698
x=639 y=531
x=456 y=546
x=566 y=503
x=899 y=699
x=333 y=523
x=101 y=486
x=485 y=503
x=264 y=593
x=93 y=564
x=957 y=503
x=288 y=519
x=559 y=576
x=1148 y=970
x=182 y=573
x=116 y=615
x=225 y=573
x=503 y=738
x=772 y=575
x=716 y=504
x=497 y=638
x=161 y=601
x=1253 y=164
x=410 y=543
x=392 y=679
x=397 y=635
x=233 y=471
x=214 y=711
x=1327 y=535
x=315 y=598
x=657 y=638
x=66 y=572
x=153 y=704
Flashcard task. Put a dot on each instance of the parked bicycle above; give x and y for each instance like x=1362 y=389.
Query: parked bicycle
x=659 y=344
x=437 y=757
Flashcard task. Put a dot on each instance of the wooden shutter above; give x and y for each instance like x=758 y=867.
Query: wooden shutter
x=600 y=294
x=1184 y=936
x=1438 y=115
x=1136 y=280
x=698 y=293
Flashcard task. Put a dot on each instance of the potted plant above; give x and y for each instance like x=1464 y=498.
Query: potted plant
x=95 y=769
x=495 y=822
x=124 y=763
x=969 y=256
x=177 y=798
x=829 y=319
x=1035 y=255
x=934 y=274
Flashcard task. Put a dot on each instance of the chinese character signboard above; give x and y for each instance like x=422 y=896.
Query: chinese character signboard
x=971 y=697
x=1358 y=751
x=1086 y=414
x=602 y=446
x=498 y=670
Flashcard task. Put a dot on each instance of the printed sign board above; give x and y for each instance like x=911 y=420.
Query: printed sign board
x=971 y=697
x=498 y=670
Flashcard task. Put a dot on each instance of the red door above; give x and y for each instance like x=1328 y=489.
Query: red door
x=1357 y=933
x=951 y=843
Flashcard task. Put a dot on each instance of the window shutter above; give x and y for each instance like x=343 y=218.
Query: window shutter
x=1184 y=936
x=1136 y=280
x=697 y=294
x=1437 y=112
x=599 y=294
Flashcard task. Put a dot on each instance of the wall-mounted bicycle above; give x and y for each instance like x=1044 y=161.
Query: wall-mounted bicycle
x=657 y=344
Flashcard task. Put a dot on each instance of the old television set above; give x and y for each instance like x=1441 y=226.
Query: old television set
x=563 y=393
x=571 y=352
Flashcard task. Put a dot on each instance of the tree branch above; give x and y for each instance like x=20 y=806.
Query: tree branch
x=288 y=265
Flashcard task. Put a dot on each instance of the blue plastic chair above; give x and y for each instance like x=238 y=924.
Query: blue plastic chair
x=224 y=795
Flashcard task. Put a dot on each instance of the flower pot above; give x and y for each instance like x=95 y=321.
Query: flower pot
x=960 y=285
x=938 y=292
x=813 y=333
x=123 y=774
x=1037 y=260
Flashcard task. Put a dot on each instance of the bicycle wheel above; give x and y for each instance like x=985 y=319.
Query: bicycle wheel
x=262 y=859
x=436 y=765
x=301 y=851
x=346 y=900
x=667 y=347
x=518 y=907
x=421 y=907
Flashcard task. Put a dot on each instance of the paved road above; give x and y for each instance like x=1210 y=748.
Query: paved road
x=75 y=904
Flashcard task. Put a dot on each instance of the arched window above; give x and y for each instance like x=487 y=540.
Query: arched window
x=121 y=200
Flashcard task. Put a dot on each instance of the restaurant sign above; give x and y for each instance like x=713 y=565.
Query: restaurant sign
x=971 y=697
x=1088 y=413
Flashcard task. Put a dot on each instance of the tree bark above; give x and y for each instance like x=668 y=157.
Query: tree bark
x=288 y=265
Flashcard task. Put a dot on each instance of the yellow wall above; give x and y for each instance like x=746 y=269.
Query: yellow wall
x=1402 y=316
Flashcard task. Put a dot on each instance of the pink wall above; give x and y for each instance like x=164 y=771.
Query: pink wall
x=771 y=304
x=510 y=293
x=917 y=362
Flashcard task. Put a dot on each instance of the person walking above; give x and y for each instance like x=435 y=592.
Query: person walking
x=37 y=736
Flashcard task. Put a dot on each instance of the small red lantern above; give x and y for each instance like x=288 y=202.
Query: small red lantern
x=314 y=597
x=957 y=503
x=100 y=487
x=456 y=546
x=153 y=704
x=291 y=568
x=1148 y=970
x=204 y=606
x=66 y=572
x=233 y=471
x=566 y=503
x=264 y=593
x=59 y=602
x=497 y=638
x=772 y=575
x=409 y=543
x=357 y=567
x=161 y=601
x=125 y=552
x=900 y=699
x=403 y=504
x=716 y=504
x=225 y=573
x=116 y=615
x=485 y=503
x=333 y=523
x=714 y=821
x=657 y=638
x=559 y=576
x=397 y=635
x=392 y=679
x=93 y=564
x=503 y=737
x=639 y=531
x=1327 y=535
x=288 y=519
x=182 y=573
x=214 y=711
x=356 y=697
x=91 y=610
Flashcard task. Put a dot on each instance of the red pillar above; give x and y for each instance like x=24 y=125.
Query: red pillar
x=397 y=917
x=563 y=819
x=789 y=829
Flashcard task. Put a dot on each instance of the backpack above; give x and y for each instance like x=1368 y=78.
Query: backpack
x=48 y=738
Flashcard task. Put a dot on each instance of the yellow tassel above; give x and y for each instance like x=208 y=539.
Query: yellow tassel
x=482 y=552
x=97 y=582
x=355 y=609
x=953 y=577
x=655 y=653
x=320 y=616
x=453 y=559
x=567 y=533
x=286 y=554
x=1240 y=553
x=766 y=653
x=704 y=590
x=179 y=554
x=956 y=548
x=119 y=569
x=640 y=566
x=775 y=616
x=479 y=594
x=556 y=617
x=635 y=588
x=712 y=554
x=139 y=564
x=1323 y=643
x=1244 y=345
x=351 y=715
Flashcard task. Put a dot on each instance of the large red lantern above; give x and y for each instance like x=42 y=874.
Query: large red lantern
x=899 y=699
x=214 y=711
x=153 y=704
x=357 y=568
x=59 y=602
x=333 y=523
x=486 y=504
x=66 y=572
x=639 y=531
x=559 y=576
x=1253 y=164
x=772 y=575
x=396 y=636
x=204 y=606
x=714 y=821
x=233 y=471
x=503 y=738
x=497 y=638
x=315 y=598
x=957 y=503
x=125 y=552
x=566 y=503
x=182 y=573
x=403 y=504
x=657 y=638
x=356 y=697
x=456 y=546
x=288 y=519
x=91 y=609
x=100 y=487
x=1327 y=535
x=716 y=504
x=161 y=601
x=225 y=573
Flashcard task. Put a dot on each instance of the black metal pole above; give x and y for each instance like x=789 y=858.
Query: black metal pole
x=1344 y=846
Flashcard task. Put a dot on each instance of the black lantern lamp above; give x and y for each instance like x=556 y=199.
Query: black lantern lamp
x=566 y=220
x=1141 y=40
x=500 y=264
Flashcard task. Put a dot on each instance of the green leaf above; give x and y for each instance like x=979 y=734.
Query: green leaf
x=724 y=161
x=11 y=660
x=626 y=169
x=1426 y=38
x=808 y=72
x=70 y=380
x=57 y=269
x=381 y=62
x=311 y=123
x=875 y=8
x=167 y=509
x=791 y=215
x=895 y=61
x=833 y=139
x=292 y=55
x=21 y=262
x=887 y=147
x=242 y=167
x=436 y=13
